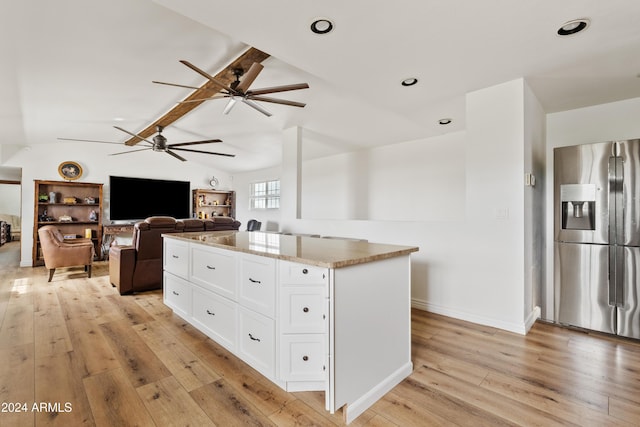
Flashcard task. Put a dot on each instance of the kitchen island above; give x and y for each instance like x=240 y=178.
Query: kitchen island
x=307 y=313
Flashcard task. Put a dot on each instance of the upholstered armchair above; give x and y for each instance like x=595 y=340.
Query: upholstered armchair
x=60 y=252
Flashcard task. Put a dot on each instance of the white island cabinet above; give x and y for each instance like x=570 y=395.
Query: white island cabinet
x=307 y=313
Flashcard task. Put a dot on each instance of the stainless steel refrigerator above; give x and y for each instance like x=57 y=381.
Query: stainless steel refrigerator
x=597 y=236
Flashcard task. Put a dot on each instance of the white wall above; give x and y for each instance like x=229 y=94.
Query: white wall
x=372 y=184
x=10 y=199
x=471 y=260
x=41 y=162
x=600 y=123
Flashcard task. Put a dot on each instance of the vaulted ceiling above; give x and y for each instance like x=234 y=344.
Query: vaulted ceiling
x=76 y=68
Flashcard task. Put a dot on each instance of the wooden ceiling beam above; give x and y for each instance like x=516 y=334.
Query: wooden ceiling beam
x=208 y=89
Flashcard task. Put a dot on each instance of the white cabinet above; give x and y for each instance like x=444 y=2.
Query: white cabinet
x=257 y=284
x=303 y=357
x=303 y=309
x=344 y=330
x=303 y=314
x=214 y=269
x=176 y=257
x=177 y=294
x=216 y=316
x=256 y=343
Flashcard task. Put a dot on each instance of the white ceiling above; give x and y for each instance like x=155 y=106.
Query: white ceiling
x=75 y=68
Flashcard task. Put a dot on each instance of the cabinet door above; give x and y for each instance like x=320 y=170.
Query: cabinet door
x=214 y=269
x=176 y=257
x=217 y=316
x=303 y=309
x=256 y=342
x=257 y=284
x=292 y=273
x=302 y=357
x=177 y=294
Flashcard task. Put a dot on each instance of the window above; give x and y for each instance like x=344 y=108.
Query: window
x=265 y=195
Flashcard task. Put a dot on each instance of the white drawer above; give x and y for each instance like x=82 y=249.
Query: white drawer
x=256 y=342
x=258 y=283
x=217 y=316
x=214 y=269
x=177 y=294
x=302 y=357
x=176 y=257
x=303 y=309
x=292 y=273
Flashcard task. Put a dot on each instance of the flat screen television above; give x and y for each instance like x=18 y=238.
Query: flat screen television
x=139 y=198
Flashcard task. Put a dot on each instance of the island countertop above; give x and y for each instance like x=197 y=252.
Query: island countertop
x=329 y=253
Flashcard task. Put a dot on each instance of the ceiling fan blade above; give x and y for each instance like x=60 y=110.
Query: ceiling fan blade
x=229 y=105
x=205 y=99
x=252 y=104
x=89 y=140
x=275 y=89
x=176 y=156
x=204 y=152
x=181 y=144
x=207 y=75
x=249 y=77
x=174 y=84
x=131 y=151
x=277 y=101
x=133 y=134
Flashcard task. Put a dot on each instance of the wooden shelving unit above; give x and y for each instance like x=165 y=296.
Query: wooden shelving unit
x=208 y=203
x=74 y=200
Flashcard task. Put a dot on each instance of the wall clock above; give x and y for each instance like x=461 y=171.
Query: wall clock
x=214 y=182
x=70 y=170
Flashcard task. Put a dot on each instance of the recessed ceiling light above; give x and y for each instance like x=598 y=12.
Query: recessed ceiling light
x=321 y=26
x=445 y=121
x=573 y=27
x=409 y=82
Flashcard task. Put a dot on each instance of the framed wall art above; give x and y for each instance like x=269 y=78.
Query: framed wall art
x=70 y=170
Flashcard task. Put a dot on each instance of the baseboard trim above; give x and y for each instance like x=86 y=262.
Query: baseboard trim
x=364 y=402
x=518 y=328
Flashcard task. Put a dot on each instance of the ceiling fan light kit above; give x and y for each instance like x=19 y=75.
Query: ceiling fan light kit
x=238 y=90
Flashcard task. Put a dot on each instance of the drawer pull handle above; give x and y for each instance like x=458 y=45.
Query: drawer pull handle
x=305 y=271
x=210 y=313
x=254 y=281
x=175 y=256
x=305 y=358
x=306 y=309
x=175 y=293
x=210 y=267
x=254 y=339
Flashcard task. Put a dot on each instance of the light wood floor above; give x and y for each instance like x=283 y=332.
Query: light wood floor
x=92 y=357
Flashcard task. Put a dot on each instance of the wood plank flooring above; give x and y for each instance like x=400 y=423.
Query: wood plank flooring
x=75 y=353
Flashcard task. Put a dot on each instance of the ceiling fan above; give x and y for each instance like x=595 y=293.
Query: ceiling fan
x=159 y=143
x=239 y=90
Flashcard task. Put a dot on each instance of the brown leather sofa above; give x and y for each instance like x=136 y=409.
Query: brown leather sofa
x=138 y=267
x=60 y=252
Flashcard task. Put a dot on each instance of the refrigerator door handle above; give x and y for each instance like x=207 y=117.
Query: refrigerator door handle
x=619 y=276
x=616 y=232
x=613 y=281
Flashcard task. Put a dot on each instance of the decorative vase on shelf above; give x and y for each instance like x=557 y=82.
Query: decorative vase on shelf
x=52 y=197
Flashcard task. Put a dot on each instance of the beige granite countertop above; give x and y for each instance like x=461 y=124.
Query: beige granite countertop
x=330 y=253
